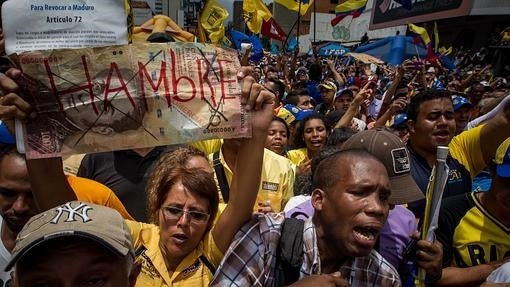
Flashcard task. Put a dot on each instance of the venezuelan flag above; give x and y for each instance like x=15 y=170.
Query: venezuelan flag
x=419 y=34
x=349 y=7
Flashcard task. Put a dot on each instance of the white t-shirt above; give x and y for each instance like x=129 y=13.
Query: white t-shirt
x=500 y=275
x=5 y=256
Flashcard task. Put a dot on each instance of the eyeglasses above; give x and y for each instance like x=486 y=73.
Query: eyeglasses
x=175 y=213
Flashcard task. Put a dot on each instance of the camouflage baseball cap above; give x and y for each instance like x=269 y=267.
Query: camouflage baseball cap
x=74 y=219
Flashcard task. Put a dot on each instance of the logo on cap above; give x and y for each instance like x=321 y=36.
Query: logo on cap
x=401 y=162
x=73 y=214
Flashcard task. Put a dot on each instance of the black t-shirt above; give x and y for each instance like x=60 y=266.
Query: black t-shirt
x=126 y=173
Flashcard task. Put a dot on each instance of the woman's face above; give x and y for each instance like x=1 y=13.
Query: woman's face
x=277 y=137
x=315 y=135
x=179 y=235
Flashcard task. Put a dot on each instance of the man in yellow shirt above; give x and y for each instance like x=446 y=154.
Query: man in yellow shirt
x=431 y=123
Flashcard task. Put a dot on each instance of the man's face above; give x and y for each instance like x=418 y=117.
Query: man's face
x=434 y=125
x=462 y=117
x=353 y=211
x=302 y=77
x=305 y=102
x=327 y=95
x=16 y=202
x=272 y=75
x=476 y=93
x=70 y=262
x=343 y=102
x=105 y=117
x=257 y=73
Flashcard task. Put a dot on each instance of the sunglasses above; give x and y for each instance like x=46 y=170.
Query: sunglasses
x=175 y=213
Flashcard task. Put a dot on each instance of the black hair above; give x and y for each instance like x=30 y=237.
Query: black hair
x=315 y=72
x=427 y=95
x=334 y=116
x=402 y=83
x=303 y=184
x=339 y=135
x=279 y=87
x=9 y=149
x=293 y=96
x=280 y=120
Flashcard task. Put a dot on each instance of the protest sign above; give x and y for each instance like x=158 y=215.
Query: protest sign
x=63 y=24
x=130 y=96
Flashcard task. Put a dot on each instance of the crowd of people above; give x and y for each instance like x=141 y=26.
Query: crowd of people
x=328 y=191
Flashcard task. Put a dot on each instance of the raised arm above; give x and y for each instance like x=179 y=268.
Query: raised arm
x=248 y=167
x=494 y=132
x=391 y=91
x=339 y=77
x=346 y=119
x=49 y=185
x=397 y=105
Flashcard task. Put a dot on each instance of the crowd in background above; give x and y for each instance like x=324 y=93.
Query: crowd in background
x=342 y=144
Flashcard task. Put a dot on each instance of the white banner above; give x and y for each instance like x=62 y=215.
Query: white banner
x=349 y=29
x=44 y=24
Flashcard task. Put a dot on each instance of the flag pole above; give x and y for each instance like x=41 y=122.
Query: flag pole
x=314 y=21
x=200 y=29
x=298 y=23
x=288 y=34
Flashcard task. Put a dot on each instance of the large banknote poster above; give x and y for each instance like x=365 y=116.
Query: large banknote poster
x=130 y=96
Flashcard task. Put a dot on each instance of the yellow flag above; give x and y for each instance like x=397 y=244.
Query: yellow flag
x=294 y=5
x=255 y=13
x=212 y=18
x=419 y=32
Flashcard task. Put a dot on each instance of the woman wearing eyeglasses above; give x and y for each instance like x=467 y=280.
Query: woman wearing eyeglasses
x=187 y=239
x=179 y=247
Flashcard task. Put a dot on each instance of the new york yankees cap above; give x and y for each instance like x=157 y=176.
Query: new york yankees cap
x=392 y=152
x=74 y=219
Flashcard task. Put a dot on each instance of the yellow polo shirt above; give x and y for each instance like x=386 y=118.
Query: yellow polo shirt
x=190 y=272
x=276 y=183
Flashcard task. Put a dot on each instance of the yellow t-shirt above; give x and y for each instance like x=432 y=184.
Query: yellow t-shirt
x=297 y=156
x=94 y=192
x=190 y=272
x=276 y=183
x=466 y=148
